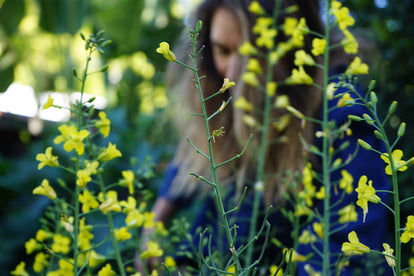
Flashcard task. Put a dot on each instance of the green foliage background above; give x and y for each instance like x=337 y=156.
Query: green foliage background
x=41 y=55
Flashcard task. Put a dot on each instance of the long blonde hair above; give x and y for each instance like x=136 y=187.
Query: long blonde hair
x=280 y=157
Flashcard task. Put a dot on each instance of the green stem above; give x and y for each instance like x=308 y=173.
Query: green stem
x=325 y=157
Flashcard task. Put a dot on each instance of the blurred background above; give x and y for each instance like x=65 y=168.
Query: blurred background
x=40 y=45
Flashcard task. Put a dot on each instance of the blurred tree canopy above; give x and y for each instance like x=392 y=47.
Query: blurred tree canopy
x=40 y=45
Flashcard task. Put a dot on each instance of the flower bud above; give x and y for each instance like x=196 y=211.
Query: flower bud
x=374 y=98
x=355 y=118
x=378 y=135
x=401 y=129
x=393 y=107
x=364 y=144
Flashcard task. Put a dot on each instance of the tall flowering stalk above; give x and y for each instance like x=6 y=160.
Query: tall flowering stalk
x=66 y=235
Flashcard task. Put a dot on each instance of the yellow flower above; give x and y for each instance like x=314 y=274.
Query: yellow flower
x=299 y=77
x=347 y=214
x=396 y=160
x=128 y=181
x=95 y=259
x=293 y=256
x=60 y=244
x=366 y=193
x=111 y=203
x=45 y=189
x=88 y=201
x=271 y=87
x=243 y=104
x=109 y=153
x=122 y=234
x=47 y=159
x=321 y=193
x=389 y=251
x=408 y=233
x=170 y=262
x=149 y=220
x=164 y=50
x=250 y=121
x=255 y=8
x=282 y=101
x=134 y=218
x=345 y=100
x=128 y=205
x=49 y=103
x=290 y=25
x=307 y=237
x=282 y=122
x=106 y=271
x=73 y=139
x=349 y=43
x=85 y=235
x=346 y=182
x=40 y=262
x=31 y=246
x=302 y=58
x=84 y=176
x=357 y=67
x=231 y=269
x=343 y=17
x=247 y=49
x=42 y=235
x=267 y=38
x=299 y=32
x=318 y=228
x=262 y=24
x=20 y=270
x=273 y=270
x=354 y=246
x=226 y=85
x=153 y=250
x=67 y=223
x=318 y=46
x=253 y=65
x=103 y=124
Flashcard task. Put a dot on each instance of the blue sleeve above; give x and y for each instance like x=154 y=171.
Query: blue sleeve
x=372 y=232
x=166 y=188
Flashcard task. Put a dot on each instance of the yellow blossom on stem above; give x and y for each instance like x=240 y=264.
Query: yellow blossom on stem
x=262 y=24
x=349 y=43
x=321 y=193
x=231 y=269
x=134 y=218
x=396 y=159
x=104 y=125
x=345 y=100
x=366 y=193
x=271 y=87
x=282 y=101
x=31 y=246
x=357 y=67
x=128 y=205
x=170 y=262
x=346 y=182
x=354 y=246
x=255 y=8
x=299 y=76
x=109 y=153
x=243 y=104
x=106 y=271
x=408 y=233
x=293 y=256
x=318 y=228
x=282 y=122
x=164 y=50
x=302 y=58
x=153 y=250
x=253 y=65
x=128 y=181
x=20 y=270
x=273 y=270
x=72 y=138
x=299 y=32
x=67 y=223
x=122 y=234
x=247 y=49
x=95 y=259
x=318 y=46
x=347 y=214
x=84 y=176
x=389 y=251
x=250 y=121
x=251 y=79
x=226 y=85
x=40 y=262
x=343 y=18
x=88 y=201
x=85 y=235
x=47 y=159
x=49 y=102
x=307 y=237
x=111 y=203
x=149 y=220
x=45 y=189
x=42 y=235
x=290 y=25
x=60 y=244
x=267 y=38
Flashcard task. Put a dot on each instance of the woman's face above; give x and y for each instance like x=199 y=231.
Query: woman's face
x=225 y=39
